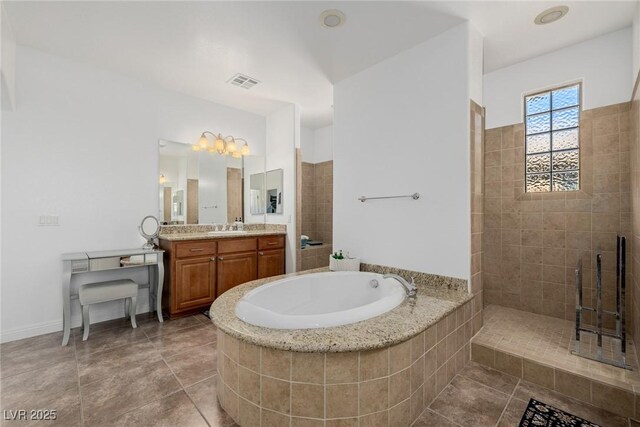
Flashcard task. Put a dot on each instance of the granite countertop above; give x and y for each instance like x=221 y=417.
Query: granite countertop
x=403 y=322
x=202 y=236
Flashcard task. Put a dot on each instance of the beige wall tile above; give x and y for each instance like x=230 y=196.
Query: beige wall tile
x=307 y=367
x=249 y=385
x=538 y=374
x=276 y=395
x=374 y=364
x=248 y=413
x=341 y=368
x=508 y=363
x=374 y=396
x=573 y=385
x=274 y=419
x=613 y=399
x=400 y=356
x=307 y=400
x=341 y=400
x=400 y=415
x=276 y=363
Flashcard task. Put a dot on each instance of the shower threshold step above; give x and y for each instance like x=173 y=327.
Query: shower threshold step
x=537 y=348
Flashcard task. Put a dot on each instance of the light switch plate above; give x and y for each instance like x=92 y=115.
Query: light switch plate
x=48 y=220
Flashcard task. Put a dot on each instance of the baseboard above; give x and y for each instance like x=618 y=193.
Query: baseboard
x=31 y=331
x=107 y=311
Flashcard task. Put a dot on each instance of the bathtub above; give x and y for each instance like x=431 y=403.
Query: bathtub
x=319 y=300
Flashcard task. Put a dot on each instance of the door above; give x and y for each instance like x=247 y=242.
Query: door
x=195 y=282
x=270 y=263
x=235 y=269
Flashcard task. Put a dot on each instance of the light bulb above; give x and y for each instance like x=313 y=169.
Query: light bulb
x=219 y=145
x=162 y=179
x=211 y=149
x=236 y=154
x=195 y=147
x=245 y=150
x=231 y=146
x=203 y=142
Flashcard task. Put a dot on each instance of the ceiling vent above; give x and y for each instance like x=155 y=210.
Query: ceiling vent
x=243 y=81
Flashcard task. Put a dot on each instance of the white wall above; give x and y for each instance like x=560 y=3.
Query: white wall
x=282 y=134
x=603 y=64
x=317 y=144
x=323 y=144
x=402 y=126
x=307 y=144
x=7 y=62
x=636 y=46
x=82 y=143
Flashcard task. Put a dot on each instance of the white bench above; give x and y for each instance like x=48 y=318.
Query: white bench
x=94 y=293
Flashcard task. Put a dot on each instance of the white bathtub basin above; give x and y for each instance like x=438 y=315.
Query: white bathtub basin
x=319 y=300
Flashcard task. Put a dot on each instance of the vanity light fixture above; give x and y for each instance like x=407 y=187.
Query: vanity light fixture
x=222 y=145
x=162 y=179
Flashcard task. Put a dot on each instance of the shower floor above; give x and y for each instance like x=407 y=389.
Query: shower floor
x=540 y=346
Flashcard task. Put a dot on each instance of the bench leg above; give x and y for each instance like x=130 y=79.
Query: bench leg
x=85 y=322
x=126 y=308
x=132 y=312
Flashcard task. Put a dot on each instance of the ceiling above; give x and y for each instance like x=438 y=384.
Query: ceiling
x=196 y=47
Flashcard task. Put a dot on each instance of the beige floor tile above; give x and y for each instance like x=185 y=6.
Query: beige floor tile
x=173 y=410
x=490 y=377
x=195 y=365
x=172 y=344
x=153 y=329
x=33 y=353
x=103 y=364
x=469 y=403
x=430 y=419
x=203 y=395
x=105 y=399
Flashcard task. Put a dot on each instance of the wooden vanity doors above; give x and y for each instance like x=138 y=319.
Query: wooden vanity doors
x=237 y=263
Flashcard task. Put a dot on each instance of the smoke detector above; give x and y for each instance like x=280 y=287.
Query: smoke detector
x=551 y=15
x=332 y=18
x=243 y=81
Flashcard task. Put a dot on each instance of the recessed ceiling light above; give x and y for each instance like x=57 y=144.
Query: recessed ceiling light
x=332 y=18
x=551 y=15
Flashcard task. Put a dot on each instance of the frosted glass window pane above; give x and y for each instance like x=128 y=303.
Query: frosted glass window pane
x=538 y=182
x=538 y=123
x=538 y=103
x=538 y=143
x=565 y=160
x=564 y=139
x=538 y=163
x=566 y=181
x=563 y=119
x=567 y=97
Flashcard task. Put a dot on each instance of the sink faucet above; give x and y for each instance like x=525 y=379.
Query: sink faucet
x=410 y=288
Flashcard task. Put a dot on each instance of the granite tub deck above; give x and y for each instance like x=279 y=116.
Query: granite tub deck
x=403 y=322
x=382 y=371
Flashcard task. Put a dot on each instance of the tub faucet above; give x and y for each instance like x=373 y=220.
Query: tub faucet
x=410 y=288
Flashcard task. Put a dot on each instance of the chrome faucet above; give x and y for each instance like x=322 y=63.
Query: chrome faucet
x=410 y=288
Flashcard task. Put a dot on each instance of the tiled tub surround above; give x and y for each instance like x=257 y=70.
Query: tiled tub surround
x=382 y=371
x=317 y=201
x=537 y=349
x=532 y=241
x=315 y=256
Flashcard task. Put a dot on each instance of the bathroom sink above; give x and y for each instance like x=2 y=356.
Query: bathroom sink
x=226 y=233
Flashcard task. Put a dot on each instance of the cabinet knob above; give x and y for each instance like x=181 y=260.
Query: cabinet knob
x=221 y=259
x=213 y=258
x=260 y=253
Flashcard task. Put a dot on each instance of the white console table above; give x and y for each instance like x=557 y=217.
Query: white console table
x=87 y=262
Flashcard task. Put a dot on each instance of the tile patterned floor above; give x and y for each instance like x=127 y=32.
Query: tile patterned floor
x=550 y=340
x=480 y=396
x=157 y=374
x=164 y=375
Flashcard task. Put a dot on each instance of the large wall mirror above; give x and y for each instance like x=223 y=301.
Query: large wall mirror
x=266 y=192
x=199 y=187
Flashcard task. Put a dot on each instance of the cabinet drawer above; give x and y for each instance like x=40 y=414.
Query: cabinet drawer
x=195 y=249
x=271 y=242
x=237 y=245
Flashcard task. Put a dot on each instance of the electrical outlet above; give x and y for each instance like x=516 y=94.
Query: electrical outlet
x=48 y=220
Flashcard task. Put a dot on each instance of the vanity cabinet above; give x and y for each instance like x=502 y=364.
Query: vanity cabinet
x=235 y=269
x=197 y=271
